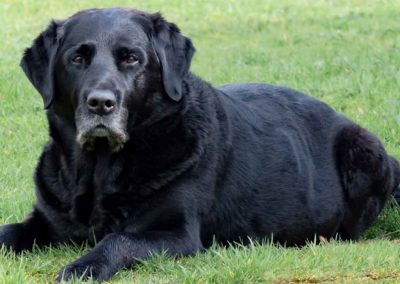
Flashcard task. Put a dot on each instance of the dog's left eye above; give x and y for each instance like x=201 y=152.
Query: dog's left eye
x=130 y=59
x=78 y=59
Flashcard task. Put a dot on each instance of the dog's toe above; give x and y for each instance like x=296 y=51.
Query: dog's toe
x=83 y=270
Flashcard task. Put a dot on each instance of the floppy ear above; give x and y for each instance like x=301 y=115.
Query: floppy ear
x=38 y=61
x=174 y=52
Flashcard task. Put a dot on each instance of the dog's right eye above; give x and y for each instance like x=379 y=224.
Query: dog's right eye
x=78 y=59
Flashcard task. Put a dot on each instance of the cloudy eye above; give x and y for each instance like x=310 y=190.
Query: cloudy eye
x=127 y=57
x=78 y=59
x=131 y=58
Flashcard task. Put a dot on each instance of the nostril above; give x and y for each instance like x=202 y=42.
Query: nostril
x=93 y=102
x=109 y=104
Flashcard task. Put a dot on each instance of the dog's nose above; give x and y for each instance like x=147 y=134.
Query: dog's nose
x=101 y=102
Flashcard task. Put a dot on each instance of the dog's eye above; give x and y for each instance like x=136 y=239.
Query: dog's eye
x=131 y=59
x=78 y=59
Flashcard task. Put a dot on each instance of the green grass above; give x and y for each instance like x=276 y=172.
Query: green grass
x=345 y=53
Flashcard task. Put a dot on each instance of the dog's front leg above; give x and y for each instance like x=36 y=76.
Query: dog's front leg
x=22 y=236
x=120 y=250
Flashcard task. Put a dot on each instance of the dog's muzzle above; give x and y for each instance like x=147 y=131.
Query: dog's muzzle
x=101 y=121
x=89 y=139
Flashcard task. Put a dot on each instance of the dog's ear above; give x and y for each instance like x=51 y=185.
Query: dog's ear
x=38 y=62
x=174 y=52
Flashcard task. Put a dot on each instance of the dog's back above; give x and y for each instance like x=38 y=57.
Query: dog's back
x=303 y=152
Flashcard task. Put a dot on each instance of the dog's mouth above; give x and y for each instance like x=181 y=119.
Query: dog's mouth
x=102 y=136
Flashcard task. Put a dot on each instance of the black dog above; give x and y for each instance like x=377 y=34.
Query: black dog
x=145 y=157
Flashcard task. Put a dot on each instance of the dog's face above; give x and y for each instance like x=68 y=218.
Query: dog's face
x=106 y=70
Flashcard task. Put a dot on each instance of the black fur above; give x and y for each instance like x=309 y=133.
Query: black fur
x=179 y=163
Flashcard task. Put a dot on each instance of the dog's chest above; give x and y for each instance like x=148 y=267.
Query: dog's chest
x=111 y=193
x=98 y=203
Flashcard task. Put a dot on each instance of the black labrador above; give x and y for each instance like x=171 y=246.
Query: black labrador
x=144 y=156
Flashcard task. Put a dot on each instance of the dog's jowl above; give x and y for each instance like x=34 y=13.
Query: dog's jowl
x=144 y=156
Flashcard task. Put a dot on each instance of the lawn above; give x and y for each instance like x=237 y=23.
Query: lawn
x=345 y=53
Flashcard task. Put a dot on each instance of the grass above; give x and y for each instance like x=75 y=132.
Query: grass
x=345 y=53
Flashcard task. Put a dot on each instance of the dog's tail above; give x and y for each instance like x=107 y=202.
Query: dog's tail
x=369 y=176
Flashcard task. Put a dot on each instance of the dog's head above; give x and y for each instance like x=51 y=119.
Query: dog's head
x=107 y=70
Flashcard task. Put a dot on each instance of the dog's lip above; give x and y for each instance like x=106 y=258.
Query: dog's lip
x=100 y=131
x=116 y=139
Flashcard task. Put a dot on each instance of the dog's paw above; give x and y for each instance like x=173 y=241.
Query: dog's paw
x=10 y=236
x=84 y=270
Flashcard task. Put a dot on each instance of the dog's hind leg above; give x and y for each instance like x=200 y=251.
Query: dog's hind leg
x=368 y=176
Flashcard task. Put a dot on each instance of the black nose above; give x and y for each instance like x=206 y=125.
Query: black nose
x=101 y=102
